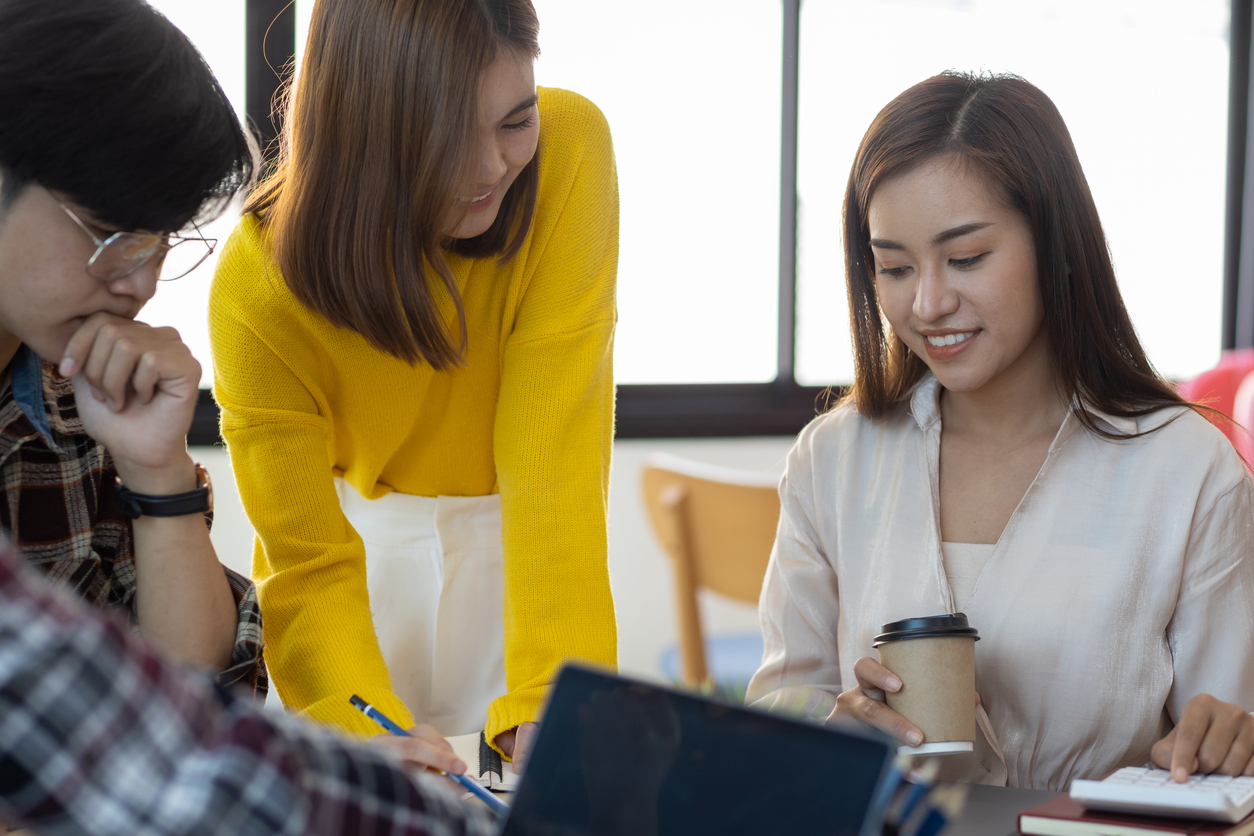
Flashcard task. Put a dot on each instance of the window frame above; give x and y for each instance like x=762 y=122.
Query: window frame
x=783 y=406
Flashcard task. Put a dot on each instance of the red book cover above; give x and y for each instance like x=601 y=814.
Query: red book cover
x=1062 y=816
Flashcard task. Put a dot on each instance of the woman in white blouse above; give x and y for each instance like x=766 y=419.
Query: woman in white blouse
x=1009 y=452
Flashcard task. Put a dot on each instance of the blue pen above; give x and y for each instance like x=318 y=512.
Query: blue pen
x=379 y=717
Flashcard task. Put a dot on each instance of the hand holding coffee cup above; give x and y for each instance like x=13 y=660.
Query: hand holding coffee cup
x=865 y=702
x=884 y=701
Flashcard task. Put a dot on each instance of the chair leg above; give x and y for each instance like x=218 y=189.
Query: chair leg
x=691 y=640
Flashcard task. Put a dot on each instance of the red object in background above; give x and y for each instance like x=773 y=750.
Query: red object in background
x=1221 y=388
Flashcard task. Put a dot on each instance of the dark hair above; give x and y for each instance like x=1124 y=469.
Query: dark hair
x=378 y=137
x=1010 y=131
x=107 y=102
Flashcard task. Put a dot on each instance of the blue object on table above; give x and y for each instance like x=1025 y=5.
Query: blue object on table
x=731 y=658
x=496 y=805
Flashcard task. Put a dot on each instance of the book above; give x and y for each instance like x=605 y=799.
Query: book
x=484 y=763
x=1062 y=816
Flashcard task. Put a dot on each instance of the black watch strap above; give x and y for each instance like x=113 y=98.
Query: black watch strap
x=136 y=505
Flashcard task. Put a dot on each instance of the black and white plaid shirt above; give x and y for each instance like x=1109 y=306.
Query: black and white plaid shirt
x=57 y=488
x=99 y=736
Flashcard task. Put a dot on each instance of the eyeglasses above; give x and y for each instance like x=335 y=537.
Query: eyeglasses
x=122 y=253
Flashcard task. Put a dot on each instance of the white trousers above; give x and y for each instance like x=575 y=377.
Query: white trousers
x=434 y=573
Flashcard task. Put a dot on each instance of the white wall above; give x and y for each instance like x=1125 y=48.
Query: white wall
x=639 y=571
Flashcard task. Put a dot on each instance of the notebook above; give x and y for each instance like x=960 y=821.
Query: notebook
x=485 y=763
x=617 y=757
x=1062 y=816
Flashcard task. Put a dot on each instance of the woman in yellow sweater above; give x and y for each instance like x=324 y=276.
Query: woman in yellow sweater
x=412 y=331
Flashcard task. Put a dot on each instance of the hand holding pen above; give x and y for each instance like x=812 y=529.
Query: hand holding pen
x=496 y=805
x=424 y=748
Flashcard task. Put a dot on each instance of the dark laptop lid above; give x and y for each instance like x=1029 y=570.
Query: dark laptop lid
x=617 y=757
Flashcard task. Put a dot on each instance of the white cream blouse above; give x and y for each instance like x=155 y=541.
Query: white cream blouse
x=1121 y=587
x=964 y=563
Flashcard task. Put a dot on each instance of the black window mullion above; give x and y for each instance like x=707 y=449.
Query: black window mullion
x=269 y=49
x=788 y=197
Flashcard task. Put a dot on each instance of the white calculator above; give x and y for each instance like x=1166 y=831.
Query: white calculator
x=1151 y=792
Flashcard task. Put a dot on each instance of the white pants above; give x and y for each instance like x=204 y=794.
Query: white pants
x=434 y=573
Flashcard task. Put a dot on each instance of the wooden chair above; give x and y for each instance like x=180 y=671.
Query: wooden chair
x=718 y=526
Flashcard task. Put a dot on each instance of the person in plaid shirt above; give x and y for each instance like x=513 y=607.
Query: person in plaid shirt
x=113 y=132
x=100 y=736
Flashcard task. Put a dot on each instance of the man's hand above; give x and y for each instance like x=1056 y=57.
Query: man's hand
x=1212 y=736
x=517 y=742
x=136 y=389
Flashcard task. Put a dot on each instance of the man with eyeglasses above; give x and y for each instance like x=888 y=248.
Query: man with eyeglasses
x=113 y=135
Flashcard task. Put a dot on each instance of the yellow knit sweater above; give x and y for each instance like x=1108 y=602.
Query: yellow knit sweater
x=529 y=415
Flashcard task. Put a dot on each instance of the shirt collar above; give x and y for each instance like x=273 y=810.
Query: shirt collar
x=925 y=408
x=925 y=402
x=28 y=391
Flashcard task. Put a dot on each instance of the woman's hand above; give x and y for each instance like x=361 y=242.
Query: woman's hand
x=516 y=743
x=866 y=702
x=1212 y=736
x=425 y=748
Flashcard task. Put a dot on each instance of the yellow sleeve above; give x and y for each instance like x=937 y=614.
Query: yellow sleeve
x=554 y=427
x=308 y=563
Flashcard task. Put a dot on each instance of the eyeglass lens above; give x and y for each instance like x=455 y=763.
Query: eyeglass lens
x=125 y=252
x=182 y=256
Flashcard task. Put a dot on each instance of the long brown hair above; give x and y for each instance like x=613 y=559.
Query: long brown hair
x=1010 y=131
x=378 y=137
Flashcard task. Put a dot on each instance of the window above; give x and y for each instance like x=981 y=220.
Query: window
x=1143 y=88
x=694 y=92
x=217 y=30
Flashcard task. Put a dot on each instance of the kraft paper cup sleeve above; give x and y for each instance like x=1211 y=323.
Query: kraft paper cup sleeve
x=938 y=690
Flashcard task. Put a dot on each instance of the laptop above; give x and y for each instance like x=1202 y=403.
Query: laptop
x=617 y=757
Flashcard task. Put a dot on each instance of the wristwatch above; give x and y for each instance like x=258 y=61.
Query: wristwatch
x=198 y=501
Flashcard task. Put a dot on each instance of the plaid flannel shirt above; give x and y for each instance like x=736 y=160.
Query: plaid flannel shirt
x=99 y=736
x=58 y=503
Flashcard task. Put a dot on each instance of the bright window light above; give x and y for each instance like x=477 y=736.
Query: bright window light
x=1143 y=88
x=691 y=90
x=217 y=30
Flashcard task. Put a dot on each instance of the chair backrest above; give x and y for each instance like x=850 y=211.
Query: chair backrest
x=1217 y=388
x=718 y=526
x=1243 y=415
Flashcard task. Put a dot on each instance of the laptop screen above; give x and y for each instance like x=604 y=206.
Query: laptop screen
x=616 y=757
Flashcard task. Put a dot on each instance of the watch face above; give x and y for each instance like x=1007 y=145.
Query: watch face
x=203 y=481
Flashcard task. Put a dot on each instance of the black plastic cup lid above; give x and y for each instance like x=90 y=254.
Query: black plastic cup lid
x=953 y=625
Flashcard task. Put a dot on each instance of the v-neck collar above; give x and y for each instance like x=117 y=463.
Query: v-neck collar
x=925 y=409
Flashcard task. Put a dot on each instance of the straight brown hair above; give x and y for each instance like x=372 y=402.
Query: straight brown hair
x=1011 y=132
x=378 y=137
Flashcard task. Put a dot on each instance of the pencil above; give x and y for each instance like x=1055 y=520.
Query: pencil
x=497 y=806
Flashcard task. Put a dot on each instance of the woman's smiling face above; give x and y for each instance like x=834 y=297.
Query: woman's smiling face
x=956 y=276
x=508 y=133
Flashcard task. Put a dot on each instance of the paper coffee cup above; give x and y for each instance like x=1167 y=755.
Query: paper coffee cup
x=934 y=658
